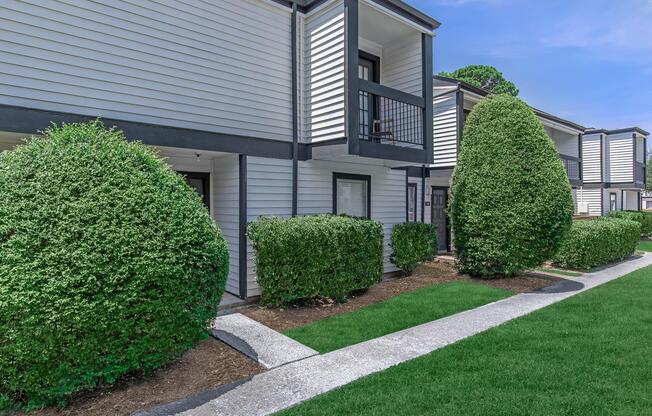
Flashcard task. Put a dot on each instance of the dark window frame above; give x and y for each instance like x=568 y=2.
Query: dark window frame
x=407 y=206
x=351 y=176
x=205 y=177
x=448 y=219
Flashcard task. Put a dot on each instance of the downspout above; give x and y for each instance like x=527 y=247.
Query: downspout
x=295 y=113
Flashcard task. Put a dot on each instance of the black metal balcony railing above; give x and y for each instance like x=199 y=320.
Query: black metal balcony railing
x=640 y=171
x=573 y=167
x=389 y=116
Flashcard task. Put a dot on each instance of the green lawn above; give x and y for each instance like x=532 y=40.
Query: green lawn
x=644 y=246
x=559 y=271
x=403 y=311
x=587 y=355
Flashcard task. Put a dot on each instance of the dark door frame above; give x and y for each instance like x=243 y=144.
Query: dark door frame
x=372 y=62
x=432 y=205
x=415 y=199
x=205 y=177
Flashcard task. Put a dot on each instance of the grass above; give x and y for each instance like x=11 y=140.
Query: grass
x=560 y=272
x=587 y=355
x=400 y=312
x=644 y=246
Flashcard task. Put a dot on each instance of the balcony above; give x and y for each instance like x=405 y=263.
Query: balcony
x=640 y=173
x=573 y=166
x=390 y=116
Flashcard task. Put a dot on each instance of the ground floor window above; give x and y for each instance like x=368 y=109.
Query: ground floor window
x=352 y=194
x=648 y=204
x=200 y=182
x=613 y=206
x=412 y=202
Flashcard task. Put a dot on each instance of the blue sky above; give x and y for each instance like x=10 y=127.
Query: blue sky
x=589 y=61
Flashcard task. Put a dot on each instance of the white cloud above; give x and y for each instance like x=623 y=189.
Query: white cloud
x=606 y=28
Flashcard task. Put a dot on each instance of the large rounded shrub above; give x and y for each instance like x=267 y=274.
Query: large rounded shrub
x=109 y=264
x=511 y=202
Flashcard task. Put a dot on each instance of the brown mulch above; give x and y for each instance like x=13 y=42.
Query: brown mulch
x=436 y=272
x=209 y=365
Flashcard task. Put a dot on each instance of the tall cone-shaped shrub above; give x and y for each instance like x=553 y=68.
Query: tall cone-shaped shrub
x=511 y=202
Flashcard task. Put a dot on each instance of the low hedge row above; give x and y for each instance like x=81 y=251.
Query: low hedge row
x=412 y=243
x=598 y=242
x=315 y=256
x=641 y=217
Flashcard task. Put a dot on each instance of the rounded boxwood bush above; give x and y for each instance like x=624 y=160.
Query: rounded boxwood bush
x=511 y=202
x=641 y=217
x=412 y=243
x=109 y=264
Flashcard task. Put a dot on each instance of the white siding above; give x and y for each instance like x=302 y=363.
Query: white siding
x=269 y=193
x=565 y=143
x=323 y=74
x=315 y=192
x=226 y=205
x=401 y=65
x=621 y=158
x=592 y=198
x=216 y=66
x=445 y=130
x=591 y=158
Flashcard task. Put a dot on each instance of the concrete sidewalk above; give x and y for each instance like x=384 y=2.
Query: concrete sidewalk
x=294 y=383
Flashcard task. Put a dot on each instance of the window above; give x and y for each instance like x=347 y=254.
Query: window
x=648 y=204
x=352 y=195
x=412 y=202
x=199 y=182
x=613 y=206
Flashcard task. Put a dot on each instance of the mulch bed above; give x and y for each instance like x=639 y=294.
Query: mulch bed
x=436 y=272
x=209 y=365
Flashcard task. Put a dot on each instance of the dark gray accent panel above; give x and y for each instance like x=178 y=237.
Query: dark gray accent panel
x=390 y=152
x=459 y=99
x=441 y=172
x=32 y=121
x=242 y=240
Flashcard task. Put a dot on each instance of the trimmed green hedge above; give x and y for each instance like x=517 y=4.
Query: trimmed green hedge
x=642 y=217
x=412 y=243
x=511 y=201
x=315 y=256
x=592 y=243
x=109 y=264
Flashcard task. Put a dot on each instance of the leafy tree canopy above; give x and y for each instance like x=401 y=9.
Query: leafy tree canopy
x=484 y=76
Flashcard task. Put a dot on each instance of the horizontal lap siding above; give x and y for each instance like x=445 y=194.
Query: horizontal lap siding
x=621 y=158
x=315 y=193
x=565 y=143
x=323 y=74
x=401 y=65
x=591 y=158
x=445 y=130
x=221 y=67
x=592 y=197
x=226 y=209
x=269 y=193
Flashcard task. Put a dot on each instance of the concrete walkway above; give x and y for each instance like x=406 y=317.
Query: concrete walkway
x=296 y=382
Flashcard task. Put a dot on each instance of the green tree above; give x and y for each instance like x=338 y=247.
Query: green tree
x=511 y=203
x=648 y=184
x=484 y=76
x=109 y=264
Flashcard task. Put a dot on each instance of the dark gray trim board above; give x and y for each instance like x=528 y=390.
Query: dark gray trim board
x=441 y=172
x=617 y=131
x=390 y=152
x=295 y=111
x=593 y=185
x=351 y=51
x=426 y=92
x=459 y=100
x=367 y=178
x=397 y=6
x=242 y=229
x=32 y=121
